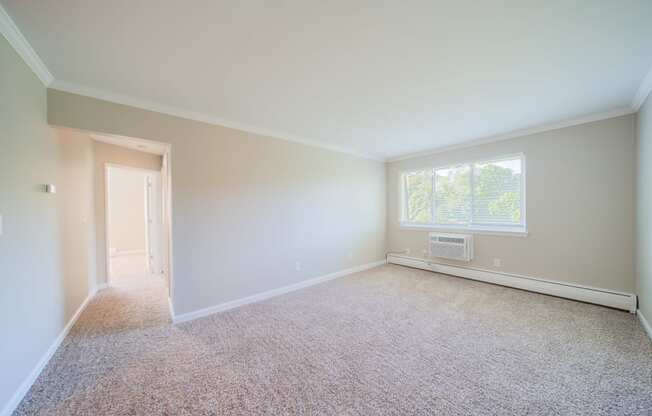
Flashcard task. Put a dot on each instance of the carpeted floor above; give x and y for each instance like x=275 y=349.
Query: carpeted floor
x=388 y=341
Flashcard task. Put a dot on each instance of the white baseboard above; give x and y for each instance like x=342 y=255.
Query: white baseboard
x=271 y=293
x=605 y=297
x=100 y=286
x=18 y=396
x=645 y=323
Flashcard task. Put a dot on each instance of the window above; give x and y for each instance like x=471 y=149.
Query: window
x=419 y=201
x=486 y=195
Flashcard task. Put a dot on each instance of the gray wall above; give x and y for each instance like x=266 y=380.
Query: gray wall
x=580 y=205
x=45 y=256
x=246 y=207
x=644 y=217
x=107 y=153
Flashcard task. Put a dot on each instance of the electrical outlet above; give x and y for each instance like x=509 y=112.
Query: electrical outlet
x=407 y=250
x=297 y=266
x=350 y=255
x=497 y=262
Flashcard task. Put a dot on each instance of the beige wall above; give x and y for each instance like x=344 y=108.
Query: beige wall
x=644 y=217
x=580 y=205
x=246 y=207
x=127 y=210
x=76 y=210
x=107 y=153
x=45 y=258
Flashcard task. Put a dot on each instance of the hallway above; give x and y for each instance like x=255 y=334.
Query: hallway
x=124 y=326
x=131 y=270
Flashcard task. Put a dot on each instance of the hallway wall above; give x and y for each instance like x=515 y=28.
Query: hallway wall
x=46 y=261
x=76 y=227
x=127 y=208
x=251 y=213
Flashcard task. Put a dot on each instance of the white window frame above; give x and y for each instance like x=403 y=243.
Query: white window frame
x=488 y=229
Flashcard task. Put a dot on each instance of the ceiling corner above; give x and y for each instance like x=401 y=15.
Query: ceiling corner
x=643 y=91
x=16 y=39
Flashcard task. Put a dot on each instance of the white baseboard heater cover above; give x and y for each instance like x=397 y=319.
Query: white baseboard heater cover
x=604 y=297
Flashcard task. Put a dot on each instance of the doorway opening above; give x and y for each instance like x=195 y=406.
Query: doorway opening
x=134 y=225
x=134 y=179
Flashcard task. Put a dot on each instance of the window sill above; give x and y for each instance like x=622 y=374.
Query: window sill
x=500 y=231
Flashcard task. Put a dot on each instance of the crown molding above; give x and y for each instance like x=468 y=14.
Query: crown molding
x=643 y=91
x=520 y=133
x=196 y=116
x=205 y=118
x=16 y=39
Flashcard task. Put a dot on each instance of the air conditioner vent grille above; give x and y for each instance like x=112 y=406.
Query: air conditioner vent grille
x=451 y=246
x=450 y=240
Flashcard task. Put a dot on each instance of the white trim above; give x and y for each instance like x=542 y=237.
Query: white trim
x=22 y=47
x=272 y=293
x=171 y=306
x=18 y=396
x=605 y=297
x=107 y=260
x=498 y=231
x=125 y=167
x=201 y=117
x=167 y=204
x=643 y=91
x=645 y=323
x=101 y=286
x=519 y=133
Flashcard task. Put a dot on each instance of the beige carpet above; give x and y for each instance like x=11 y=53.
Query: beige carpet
x=388 y=341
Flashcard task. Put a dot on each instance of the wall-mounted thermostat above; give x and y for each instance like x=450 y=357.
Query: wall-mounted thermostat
x=50 y=188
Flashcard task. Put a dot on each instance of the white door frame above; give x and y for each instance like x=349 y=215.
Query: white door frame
x=166 y=181
x=167 y=219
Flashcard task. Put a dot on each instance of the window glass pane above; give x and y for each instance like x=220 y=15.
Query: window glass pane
x=418 y=193
x=497 y=192
x=453 y=195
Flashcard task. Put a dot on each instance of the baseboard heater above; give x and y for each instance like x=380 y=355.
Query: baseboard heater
x=604 y=297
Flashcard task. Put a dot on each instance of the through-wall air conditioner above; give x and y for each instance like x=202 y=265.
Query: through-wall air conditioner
x=451 y=246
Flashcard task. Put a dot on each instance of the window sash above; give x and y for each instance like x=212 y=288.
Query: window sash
x=472 y=223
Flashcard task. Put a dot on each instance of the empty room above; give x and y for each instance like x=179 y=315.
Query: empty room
x=325 y=208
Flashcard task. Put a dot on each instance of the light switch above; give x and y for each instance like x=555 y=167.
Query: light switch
x=50 y=188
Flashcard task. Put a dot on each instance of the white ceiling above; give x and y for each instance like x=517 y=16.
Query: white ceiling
x=378 y=78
